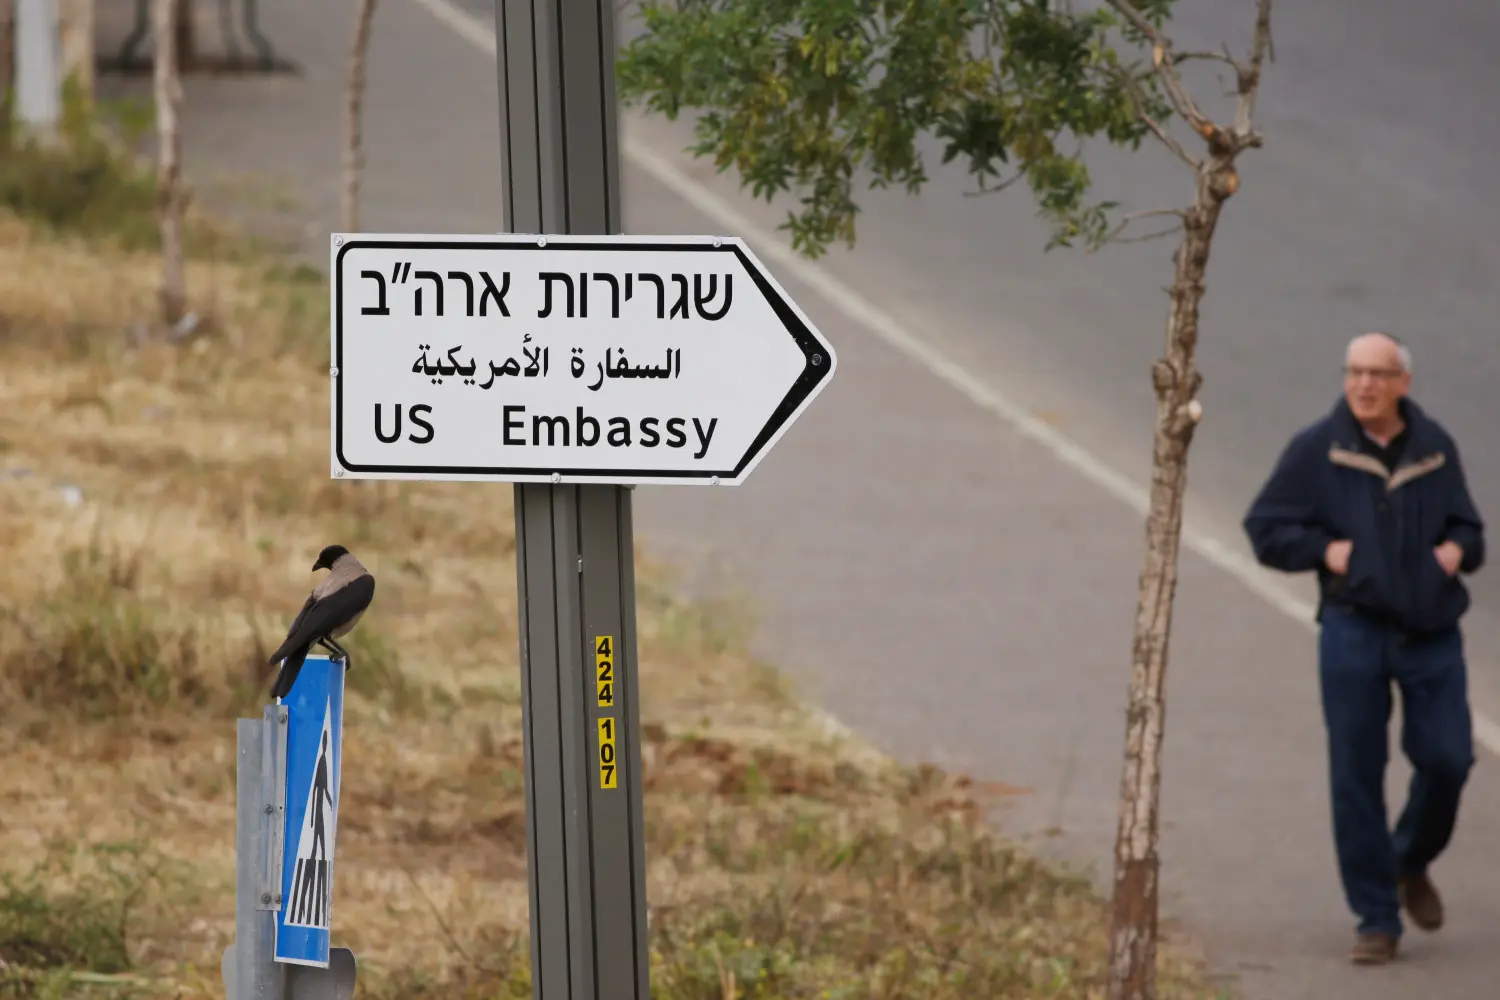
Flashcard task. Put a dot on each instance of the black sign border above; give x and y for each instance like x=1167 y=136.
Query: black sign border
x=813 y=373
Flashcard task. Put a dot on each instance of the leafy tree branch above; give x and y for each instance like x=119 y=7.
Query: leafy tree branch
x=821 y=96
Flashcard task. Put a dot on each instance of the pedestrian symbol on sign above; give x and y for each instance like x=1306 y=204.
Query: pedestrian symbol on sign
x=312 y=881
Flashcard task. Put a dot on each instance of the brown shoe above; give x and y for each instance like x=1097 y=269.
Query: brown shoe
x=1373 y=948
x=1421 y=901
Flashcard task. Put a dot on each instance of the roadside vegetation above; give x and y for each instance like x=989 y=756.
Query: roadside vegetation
x=161 y=499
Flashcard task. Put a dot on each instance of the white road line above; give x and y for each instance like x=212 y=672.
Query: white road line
x=889 y=329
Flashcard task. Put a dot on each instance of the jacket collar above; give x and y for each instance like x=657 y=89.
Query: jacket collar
x=1421 y=437
x=1424 y=452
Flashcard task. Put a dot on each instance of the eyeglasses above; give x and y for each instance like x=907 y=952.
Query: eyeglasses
x=1354 y=372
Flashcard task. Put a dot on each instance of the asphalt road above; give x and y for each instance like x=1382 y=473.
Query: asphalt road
x=947 y=585
x=1372 y=206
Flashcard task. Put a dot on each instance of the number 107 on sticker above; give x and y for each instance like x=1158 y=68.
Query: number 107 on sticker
x=607 y=752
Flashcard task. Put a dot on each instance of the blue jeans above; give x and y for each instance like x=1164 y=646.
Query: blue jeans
x=1358 y=661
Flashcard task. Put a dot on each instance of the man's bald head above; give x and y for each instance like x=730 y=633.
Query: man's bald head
x=1380 y=345
x=1377 y=374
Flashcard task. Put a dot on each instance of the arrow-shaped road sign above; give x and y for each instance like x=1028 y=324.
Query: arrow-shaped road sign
x=579 y=359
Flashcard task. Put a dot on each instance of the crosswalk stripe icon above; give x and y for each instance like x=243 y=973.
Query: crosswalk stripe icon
x=312 y=879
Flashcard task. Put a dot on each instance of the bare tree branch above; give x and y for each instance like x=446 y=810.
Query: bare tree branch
x=981 y=191
x=1249 y=77
x=1225 y=57
x=1176 y=90
x=1161 y=48
x=1144 y=237
x=1138 y=97
x=1165 y=61
x=1160 y=131
x=1116 y=235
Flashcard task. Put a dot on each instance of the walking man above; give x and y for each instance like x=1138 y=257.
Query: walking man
x=1372 y=497
x=319 y=794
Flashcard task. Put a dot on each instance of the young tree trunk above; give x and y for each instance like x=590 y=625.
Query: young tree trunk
x=7 y=63
x=1133 y=923
x=168 y=97
x=1132 y=952
x=184 y=30
x=76 y=51
x=353 y=149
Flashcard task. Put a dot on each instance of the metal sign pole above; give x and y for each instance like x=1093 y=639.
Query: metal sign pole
x=574 y=557
x=248 y=968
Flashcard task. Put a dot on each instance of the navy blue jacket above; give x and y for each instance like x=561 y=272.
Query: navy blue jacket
x=1325 y=488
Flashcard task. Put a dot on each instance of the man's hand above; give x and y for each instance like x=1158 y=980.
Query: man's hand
x=1336 y=556
x=1449 y=555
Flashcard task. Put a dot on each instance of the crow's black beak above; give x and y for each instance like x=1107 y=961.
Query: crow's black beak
x=320 y=564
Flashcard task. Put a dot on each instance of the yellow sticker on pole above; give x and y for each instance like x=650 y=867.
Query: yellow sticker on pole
x=604 y=669
x=607 y=765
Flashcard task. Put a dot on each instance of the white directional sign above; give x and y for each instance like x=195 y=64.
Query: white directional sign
x=583 y=359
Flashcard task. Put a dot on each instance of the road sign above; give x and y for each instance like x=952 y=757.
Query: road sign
x=574 y=359
x=313 y=754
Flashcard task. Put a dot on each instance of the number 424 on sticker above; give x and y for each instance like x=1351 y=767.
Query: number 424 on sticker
x=604 y=670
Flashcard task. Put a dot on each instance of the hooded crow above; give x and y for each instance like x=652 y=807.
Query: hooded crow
x=332 y=609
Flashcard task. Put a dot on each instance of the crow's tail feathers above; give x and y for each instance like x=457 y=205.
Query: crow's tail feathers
x=286 y=650
x=290 y=667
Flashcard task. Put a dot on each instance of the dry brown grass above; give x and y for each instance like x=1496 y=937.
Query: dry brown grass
x=159 y=507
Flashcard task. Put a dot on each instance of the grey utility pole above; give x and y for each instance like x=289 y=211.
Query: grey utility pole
x=574 y=557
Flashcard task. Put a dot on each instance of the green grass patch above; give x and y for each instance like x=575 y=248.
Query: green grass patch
x=85 y=181
x=68 y=923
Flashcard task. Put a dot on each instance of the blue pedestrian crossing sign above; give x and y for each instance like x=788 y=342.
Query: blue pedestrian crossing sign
x=315 y=726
